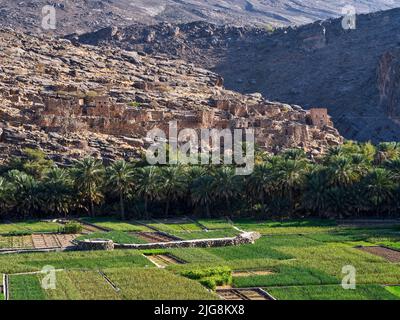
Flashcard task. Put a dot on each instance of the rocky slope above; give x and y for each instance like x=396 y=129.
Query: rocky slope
x=75 y=100
x=89 y=15
x=354 y=73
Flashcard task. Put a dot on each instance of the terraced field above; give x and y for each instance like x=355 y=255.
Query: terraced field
x=293 y=260
x=28 y=227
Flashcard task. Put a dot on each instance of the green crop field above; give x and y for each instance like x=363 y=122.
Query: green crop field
x=18 y=263
x=166 y=226
x=211 y=234
x=286 y=227
x=28 y=227
x=116 y=236
x=293 y=260
x=394 y=290
x=116 y=225
x=215 y=224
x=332 y=292
x=16 y=242
x=127 y=284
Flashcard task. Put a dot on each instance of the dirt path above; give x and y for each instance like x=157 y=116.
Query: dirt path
x=244 y=294
x=251 y=273
x=164 y=260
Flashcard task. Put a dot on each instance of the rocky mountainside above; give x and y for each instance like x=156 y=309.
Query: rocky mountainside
x=75 y=100
x=354 y=73
x=89 y=15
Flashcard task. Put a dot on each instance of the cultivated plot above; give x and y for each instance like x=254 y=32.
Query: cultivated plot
x=293 y=260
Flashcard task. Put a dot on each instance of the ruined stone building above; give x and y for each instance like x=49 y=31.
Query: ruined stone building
x=320 y=117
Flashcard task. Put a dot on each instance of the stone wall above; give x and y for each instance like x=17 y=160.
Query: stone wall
x=319 y=117
x=91 y=245
x=63 y=107
x=243 y=238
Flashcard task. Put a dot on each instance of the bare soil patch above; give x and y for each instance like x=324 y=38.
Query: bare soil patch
x=389 y=254
x=90 y=228
x=45 y=241
x=163 y=260
x=154 y=237
x=243 y=294
x=252 y=273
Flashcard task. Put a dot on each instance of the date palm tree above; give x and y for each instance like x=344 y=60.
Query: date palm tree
x=315 y=196
x=380 y=188
x=5 y=194
x=202 y=193
x=27 y=193
x=258 y=184
x=394 y=167
x=120 y=180
x=387 y=151
x=147 y=185
x=342 y=172
x=58 y=188
x=226 y=185
x=88 y=175
x=172 y=185
x=289 y=176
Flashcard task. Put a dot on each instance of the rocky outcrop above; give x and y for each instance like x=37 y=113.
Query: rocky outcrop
x=315 y=65
x=84 y=15
x=74 y=101
x=389 y=83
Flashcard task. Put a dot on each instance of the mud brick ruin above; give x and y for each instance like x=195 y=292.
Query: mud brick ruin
x=72 y=100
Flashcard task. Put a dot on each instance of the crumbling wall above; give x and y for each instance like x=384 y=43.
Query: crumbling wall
x=243 y=238
x=65 y=107
x=320 y=117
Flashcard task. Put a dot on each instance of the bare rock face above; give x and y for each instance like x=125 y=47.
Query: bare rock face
x=389 y=83
x=319 y=64
x=95 y=245
x=75 y=101
x=84 y=15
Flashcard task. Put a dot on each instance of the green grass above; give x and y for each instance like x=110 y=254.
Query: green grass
x=212 y=234
x=116 y=236
x=157 y=284
x=211 y=277
x=331 y=257
x=331 y=292
x=25 y=287
x=17 y=263
x=180 y=226
x=14 y=242
x=116 y=225
x=28 y=227
x=70 y=285
x=305 y=257
x=260 y=250
x=395 y=290
x=392 y=242
x=286 y=275
x=292 y=255
x=81 y=285
x=229 y=256
x=286 y=227
x=215 y=224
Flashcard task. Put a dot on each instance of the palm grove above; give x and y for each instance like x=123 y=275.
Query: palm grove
x=350 y=180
